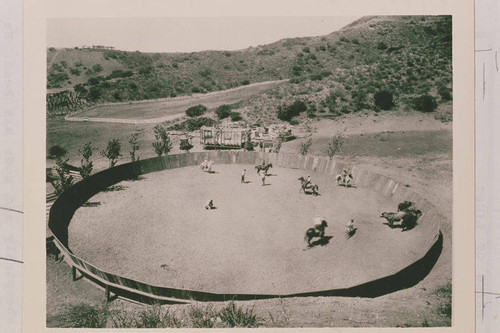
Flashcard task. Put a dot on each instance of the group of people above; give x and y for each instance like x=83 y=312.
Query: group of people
x=262 y=174
x=344 y=178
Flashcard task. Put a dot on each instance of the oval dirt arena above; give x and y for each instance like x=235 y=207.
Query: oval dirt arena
x=157 y=231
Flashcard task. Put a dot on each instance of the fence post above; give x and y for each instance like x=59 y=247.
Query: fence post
x=107 y=294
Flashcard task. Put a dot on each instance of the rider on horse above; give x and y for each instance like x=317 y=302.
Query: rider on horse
x=307 y=182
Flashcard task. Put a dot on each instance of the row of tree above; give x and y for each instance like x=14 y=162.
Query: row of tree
x=64 y=179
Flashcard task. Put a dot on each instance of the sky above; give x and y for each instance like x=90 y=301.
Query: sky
x=186 y=34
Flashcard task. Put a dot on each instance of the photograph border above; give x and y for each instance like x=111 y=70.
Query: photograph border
x=463 y=253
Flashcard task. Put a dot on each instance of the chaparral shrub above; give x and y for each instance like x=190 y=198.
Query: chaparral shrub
x=425 y=103
x=383 y=100
x=223 y=111
x=196 y=111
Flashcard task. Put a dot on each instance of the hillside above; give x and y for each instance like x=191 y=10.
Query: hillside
x=407 y=56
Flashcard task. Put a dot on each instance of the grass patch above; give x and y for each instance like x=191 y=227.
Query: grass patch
x=444 y=296
x=84 y=315
x=155 y=317
x=235 y=316
x=203 y=317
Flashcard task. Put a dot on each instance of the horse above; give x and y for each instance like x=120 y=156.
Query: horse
x=344 y=179
x=207 y=165
x=317 y=231
x=264 y=167
x=393 y=217
x=313 y=187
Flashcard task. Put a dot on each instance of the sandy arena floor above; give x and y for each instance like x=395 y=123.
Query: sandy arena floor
x=157 y=231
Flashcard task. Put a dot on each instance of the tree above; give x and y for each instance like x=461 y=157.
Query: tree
x=223 y=111
x=112 y=151
x=304 y=147
x=94 y=93
x=57 y=152
x=286 y=113
x=185 y=145
x=64 y=179
x=87 y=165
x=134 y=146
x=196 y=111
x=163 y=145
x=334 y=145
x=248 y=146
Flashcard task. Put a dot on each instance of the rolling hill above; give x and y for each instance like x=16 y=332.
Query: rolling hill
x=405 y=56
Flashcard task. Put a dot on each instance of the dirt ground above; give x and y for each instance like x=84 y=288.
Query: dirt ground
x=427 y=172
x=252 y=243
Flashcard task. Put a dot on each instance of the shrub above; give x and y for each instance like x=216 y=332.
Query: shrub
x=119 y=73
x=235 y=316
x=381 y=46
x=97 y=68
x=145 y=70
x=330 y=101
x=445 y=93
x=75 y=71
x=311 y=110
x=425 y=103
x=192 y=124
x=286 y=113
x=93 y=81
x=206 y=73
x=86 y=163
x=56 y=152
x=306 y=49
x=223 y=111
x=80 y=89
x=94 y=93
x=383 y=100
x=235 y=116
x=248 y=146
x=196 y=111
x=185 y=145
x=245 y=82
x=297 y=70
x=55 y=79
x=355 y=41
x=112 y=151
